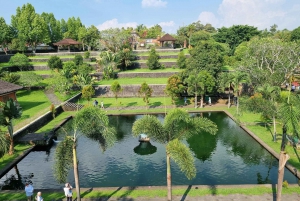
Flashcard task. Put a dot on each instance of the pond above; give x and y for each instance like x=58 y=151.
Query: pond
x=229 y=157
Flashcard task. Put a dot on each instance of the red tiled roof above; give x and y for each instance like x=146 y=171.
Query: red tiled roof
x=67 y=41
x=166 y=37
x=6 y=87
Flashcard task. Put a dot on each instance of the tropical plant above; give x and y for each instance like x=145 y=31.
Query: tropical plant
x=289 y=114
x=225 y=80
x=9 y=77
x=177 y=125
x=125 y=58
x=200 y=84
x=11 y=110
x=108 y=62
x=91 y=122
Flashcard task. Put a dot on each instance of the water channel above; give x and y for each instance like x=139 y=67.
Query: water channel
x=229 y=157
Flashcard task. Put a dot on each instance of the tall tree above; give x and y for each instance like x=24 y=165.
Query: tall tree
x=89 y=36
x=88 y=92
x=10 y=111
x=235 y=35
x=290 y=117
x=269 y=60
x=91 y=122
x=178 y=125
x=225 y=82
x=207 y=55
x=200 y=84
x=114 y=39
x=53 y=27
x=6 y=34
x=29 y=26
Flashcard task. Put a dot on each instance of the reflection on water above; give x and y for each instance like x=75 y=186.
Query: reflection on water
x=229 y=157
x=145 y=148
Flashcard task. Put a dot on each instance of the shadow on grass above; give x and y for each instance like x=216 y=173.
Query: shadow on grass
x=26 y=105
x=186 y=193
x=131 y=104
x=155 y=104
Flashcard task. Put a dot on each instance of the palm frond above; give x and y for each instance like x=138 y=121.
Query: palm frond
x=182 y=157
x=151 y=126
x=4 y=143
x=63 y=159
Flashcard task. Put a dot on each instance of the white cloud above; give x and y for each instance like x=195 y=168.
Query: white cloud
x=208 y=18
x=259 y=13
x=115 y=24
x=167 y=24
x=153 y=3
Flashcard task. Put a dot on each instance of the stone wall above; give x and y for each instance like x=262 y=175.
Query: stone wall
x=41 y=121
x=133 y=75
x=129 y=91
x=144 y=65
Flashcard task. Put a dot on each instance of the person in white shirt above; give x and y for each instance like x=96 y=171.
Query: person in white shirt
x=68 y=191
x=29 y=191
x=39 y=197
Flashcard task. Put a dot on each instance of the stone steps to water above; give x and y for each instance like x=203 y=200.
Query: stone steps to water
x=52 y=97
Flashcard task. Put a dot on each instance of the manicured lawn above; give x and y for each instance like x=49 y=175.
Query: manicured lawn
x=34 y=103
x=147 y=70
x=43 y=72
x=128 y=102
x=161 y=53
x=160 y=60
x=48 y=127
x=19 y=149
x=136 y=80
x=132 y=194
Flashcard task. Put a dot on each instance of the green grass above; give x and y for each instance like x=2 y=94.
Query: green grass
x=19 y=149
x=160 y=60
x=64 y=97
x=34 y=103
x=161 y=53
x=136 y=80
x=48 y=127
x=154 y=192
x=128 y=102
x=147 y=70
x=43 y=72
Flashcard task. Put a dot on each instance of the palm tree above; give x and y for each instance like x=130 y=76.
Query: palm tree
x=271 y=94
x=225 y=80
x=239 y=78
x=177 y=125
x=290 y=117
x=10 y=111
x=91 y=122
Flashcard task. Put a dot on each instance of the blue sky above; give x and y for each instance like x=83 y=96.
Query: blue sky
x=170 y=14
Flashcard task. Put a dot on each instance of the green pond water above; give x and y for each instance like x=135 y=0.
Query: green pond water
x=229 y=157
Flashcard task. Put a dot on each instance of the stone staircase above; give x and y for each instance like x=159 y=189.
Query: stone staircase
x=52 y=97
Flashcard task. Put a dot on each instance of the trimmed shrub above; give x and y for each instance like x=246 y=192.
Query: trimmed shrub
x=55 y=63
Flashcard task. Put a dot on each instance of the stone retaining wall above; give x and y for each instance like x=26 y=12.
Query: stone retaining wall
x=144 y=65
x=133 y=75
x=41 y=121
x=129 y=91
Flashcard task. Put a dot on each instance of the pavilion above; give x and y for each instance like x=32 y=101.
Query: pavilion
x=8 y=90
x=166 y=38
x=66 y=42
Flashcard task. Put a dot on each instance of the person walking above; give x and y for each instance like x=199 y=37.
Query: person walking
x=209 y=101
x=39 y=197
x=102 y=104
x=68 y=191
x=29 y=191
